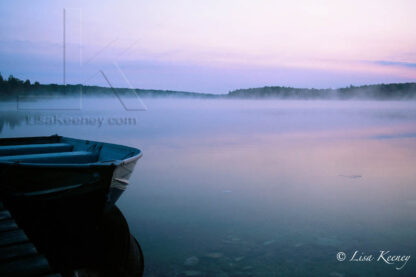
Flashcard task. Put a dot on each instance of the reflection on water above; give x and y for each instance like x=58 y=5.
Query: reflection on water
x=258 y=188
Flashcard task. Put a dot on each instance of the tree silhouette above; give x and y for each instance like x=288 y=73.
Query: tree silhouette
x=13 y=87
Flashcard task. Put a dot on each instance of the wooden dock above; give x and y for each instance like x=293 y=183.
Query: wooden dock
x=18 y=256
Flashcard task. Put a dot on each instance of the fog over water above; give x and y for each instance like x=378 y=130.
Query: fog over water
x=255 y=187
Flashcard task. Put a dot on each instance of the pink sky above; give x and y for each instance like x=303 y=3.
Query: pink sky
x=212 y=46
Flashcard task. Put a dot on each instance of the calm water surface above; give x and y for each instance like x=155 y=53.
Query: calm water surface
x=257 y=188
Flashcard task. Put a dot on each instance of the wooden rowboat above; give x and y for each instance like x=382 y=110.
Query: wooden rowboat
x=61 y=190
x=55 y=166
x=61 y=180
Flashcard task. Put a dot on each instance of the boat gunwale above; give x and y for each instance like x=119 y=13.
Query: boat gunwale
x=75 y=165
x=115 y=162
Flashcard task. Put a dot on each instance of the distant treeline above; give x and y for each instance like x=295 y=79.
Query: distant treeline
x=381 y=91
x=13 y=87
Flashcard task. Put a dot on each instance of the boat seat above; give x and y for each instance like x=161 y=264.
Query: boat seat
x=24 y=149
x=61 y=157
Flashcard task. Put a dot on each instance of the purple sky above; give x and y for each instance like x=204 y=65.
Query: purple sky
x=211 y=46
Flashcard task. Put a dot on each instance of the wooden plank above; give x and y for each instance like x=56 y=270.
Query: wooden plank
x=17 y=250
x=12 y=237
x=31 y=140
x=30 y=266
x=5 y=215
x=61 y=157
x=19 y=257
x=8 y=225
x=34 y=148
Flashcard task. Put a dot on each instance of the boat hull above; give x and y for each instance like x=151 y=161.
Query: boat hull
x=74 y=203
x=63 y=218
x=47 y=191
x=55 y=166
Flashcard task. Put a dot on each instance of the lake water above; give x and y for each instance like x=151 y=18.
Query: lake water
x=257 y=187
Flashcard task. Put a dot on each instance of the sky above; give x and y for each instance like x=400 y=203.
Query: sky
x=210 y=46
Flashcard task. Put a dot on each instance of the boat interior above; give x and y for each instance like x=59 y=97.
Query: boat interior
x=62 y=150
